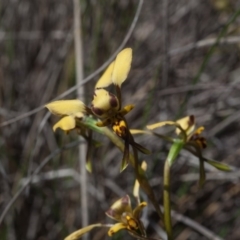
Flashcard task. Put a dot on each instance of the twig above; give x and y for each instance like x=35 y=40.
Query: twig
x=222 y=176
x=204 y=43
x=226 y=122
x=52 y=175
x=31 y=35
x=37 y=170
x=208 y=56
x=196 y=226
x=80 y=94
x=36 y=145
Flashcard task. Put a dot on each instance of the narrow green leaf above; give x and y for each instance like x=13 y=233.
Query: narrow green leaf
x=218 y=165
x=202 y=175
x=141 y=148
x=174 y=151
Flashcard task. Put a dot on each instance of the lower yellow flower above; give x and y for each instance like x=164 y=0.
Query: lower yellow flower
x=121 y=211
x=185 y=128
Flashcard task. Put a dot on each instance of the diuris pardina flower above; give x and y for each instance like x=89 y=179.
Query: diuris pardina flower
x=122 y=212
x=105 y=105
x=190 y=139
x=126 y=217
x=108 y=106
x=185 y=129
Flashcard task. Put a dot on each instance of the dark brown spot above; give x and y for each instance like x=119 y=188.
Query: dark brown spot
x=96 y=111
x=191 y=120
x=113 y=100
x=203 y=142
x=110 y=212
x=123 y=131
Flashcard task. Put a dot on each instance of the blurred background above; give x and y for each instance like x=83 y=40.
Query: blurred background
x=177 y=69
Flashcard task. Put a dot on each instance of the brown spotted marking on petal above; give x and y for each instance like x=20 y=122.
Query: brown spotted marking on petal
x=201 y=141
x=125 y=200
x=97 y=111
x=191 y=120
x=113 y=100
x=123 y=131
x=110 y=212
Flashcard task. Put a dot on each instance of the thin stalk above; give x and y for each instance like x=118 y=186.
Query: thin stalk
x=166 y=200
x=82 y=150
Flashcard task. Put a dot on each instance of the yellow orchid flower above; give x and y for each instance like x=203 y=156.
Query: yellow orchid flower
x=185 y=128
x=69 y=110
x=127 y=218
x=108 y=107
x=105 y=105
x=191 y=140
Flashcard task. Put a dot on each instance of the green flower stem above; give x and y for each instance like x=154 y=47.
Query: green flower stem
x=140 y=175
x=166 y=200
x=172 y=155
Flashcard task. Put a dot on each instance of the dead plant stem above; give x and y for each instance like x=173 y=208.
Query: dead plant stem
x=80 y=94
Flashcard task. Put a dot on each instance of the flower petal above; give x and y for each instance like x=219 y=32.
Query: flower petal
x=138 y=209
x=219 y=165
x=77 y=234
x=102 y=102
x=106 y=78
x=199 y=130
x=122 y=66
x=66 y=123
x=115 y=228
x=139 y=131
x=160 y=124
x=119 y=207
x=137 y=185
x=187 y=124
x=67 y=107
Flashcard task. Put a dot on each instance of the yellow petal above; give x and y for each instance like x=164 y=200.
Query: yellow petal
x=199 y=130
x=67 y=107
x=77 y=234
x=138 y=209
x=160 y=124
x=115 y=228
x=66 y=123
x=106 y=78
x=122 y=205
x=139 y=131
x=104 y=102
x=187 y=124
x=122 y=66
x=137 y=185
x=127 y=109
